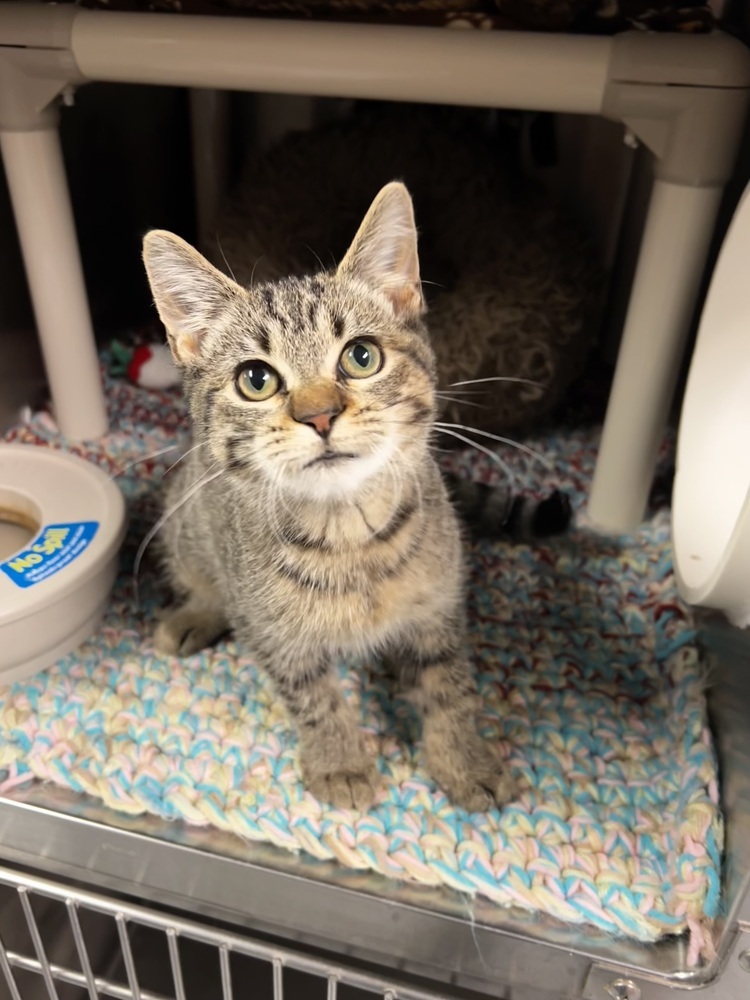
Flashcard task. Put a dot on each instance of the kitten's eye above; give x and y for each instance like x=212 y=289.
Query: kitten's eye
x=257 y=381
x=361 y=359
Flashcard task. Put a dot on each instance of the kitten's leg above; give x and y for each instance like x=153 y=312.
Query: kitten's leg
x=192 y=626
x=195 y=624
x=199 y=618
x=466 y=766
x=335 y=766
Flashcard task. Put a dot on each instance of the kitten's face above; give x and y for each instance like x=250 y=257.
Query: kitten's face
x=315 y=385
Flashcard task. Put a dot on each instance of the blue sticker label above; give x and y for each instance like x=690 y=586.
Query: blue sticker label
x=56 y=547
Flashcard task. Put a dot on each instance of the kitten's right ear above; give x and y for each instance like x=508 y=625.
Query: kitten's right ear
x=384 y=252
x=190 y=293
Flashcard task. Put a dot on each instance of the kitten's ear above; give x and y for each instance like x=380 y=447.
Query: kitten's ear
x=190 y=294
x=384 y=251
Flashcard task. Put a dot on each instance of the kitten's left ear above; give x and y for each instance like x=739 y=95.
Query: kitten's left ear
x=384 y=251
x=191 y=295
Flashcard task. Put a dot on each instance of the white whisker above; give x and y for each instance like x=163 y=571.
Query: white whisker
x=420 y=494
x=468 y=392
x=223 y=257
x=270 y=506
x=502 y=440
x=457 y=399
x=480 y=447
x=143 y=458
x=398 y=480
x=188 y=495
x=201 y=444
x=277 y=500
x=177 y=538
x=277 y=504
x=252 y=273
x=205 y=472
x=498 y=378
x=322 y=265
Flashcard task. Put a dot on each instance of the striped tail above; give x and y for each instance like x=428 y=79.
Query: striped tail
x=495 y=512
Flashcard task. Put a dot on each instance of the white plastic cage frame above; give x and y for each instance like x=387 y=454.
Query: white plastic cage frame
x=28 y=895
x=684 y=97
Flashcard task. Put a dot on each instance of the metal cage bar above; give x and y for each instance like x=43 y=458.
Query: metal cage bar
x=106 y=987
x=83 y=955
x=36 y=937
x=127 y=954
x=129 y=916
x=278 y=979
x=174 y=958
x=226 y=972
x=5 y=967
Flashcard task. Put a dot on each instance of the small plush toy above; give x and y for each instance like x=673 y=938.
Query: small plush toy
x=148 y=365
x=152 y=367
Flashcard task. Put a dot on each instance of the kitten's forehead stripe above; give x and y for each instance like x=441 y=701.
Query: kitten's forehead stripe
x=264 y=339
x=270 y=299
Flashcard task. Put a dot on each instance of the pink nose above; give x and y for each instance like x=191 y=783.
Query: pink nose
x=321 y=422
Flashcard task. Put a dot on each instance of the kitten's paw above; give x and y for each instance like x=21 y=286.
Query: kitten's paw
x=474 y=778
x=482 y=792
x=351 y=787
x=187 y=631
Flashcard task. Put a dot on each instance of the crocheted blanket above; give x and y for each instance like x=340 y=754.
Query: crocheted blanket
x=590 y=682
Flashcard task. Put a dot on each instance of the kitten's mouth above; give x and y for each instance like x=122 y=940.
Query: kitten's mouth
x=329 y=456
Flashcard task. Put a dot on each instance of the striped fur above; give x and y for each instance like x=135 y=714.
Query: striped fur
x=315 y=523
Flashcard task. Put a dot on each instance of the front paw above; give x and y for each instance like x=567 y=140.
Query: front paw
x=347 y=786
x=472 y=776
x=186 y=631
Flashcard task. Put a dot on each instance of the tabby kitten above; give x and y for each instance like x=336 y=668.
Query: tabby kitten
x=311 y=517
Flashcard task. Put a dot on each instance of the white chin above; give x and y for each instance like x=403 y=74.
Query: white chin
x=339 y=480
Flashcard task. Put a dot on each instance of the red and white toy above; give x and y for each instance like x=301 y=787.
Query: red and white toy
x=152 y=367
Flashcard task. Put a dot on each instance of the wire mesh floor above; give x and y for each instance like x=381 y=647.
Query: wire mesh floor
x=62 y=943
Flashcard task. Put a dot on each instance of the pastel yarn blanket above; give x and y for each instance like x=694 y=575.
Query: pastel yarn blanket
x=590 y=681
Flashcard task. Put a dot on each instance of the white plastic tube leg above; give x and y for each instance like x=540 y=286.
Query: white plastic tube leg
x=41 y=203
x=672 y=257
x=209 y=126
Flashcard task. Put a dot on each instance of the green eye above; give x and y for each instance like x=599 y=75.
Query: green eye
x=257 y=381
x=361 y=359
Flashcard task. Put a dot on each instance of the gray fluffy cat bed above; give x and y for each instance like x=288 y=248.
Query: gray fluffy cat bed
x=511 y=285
